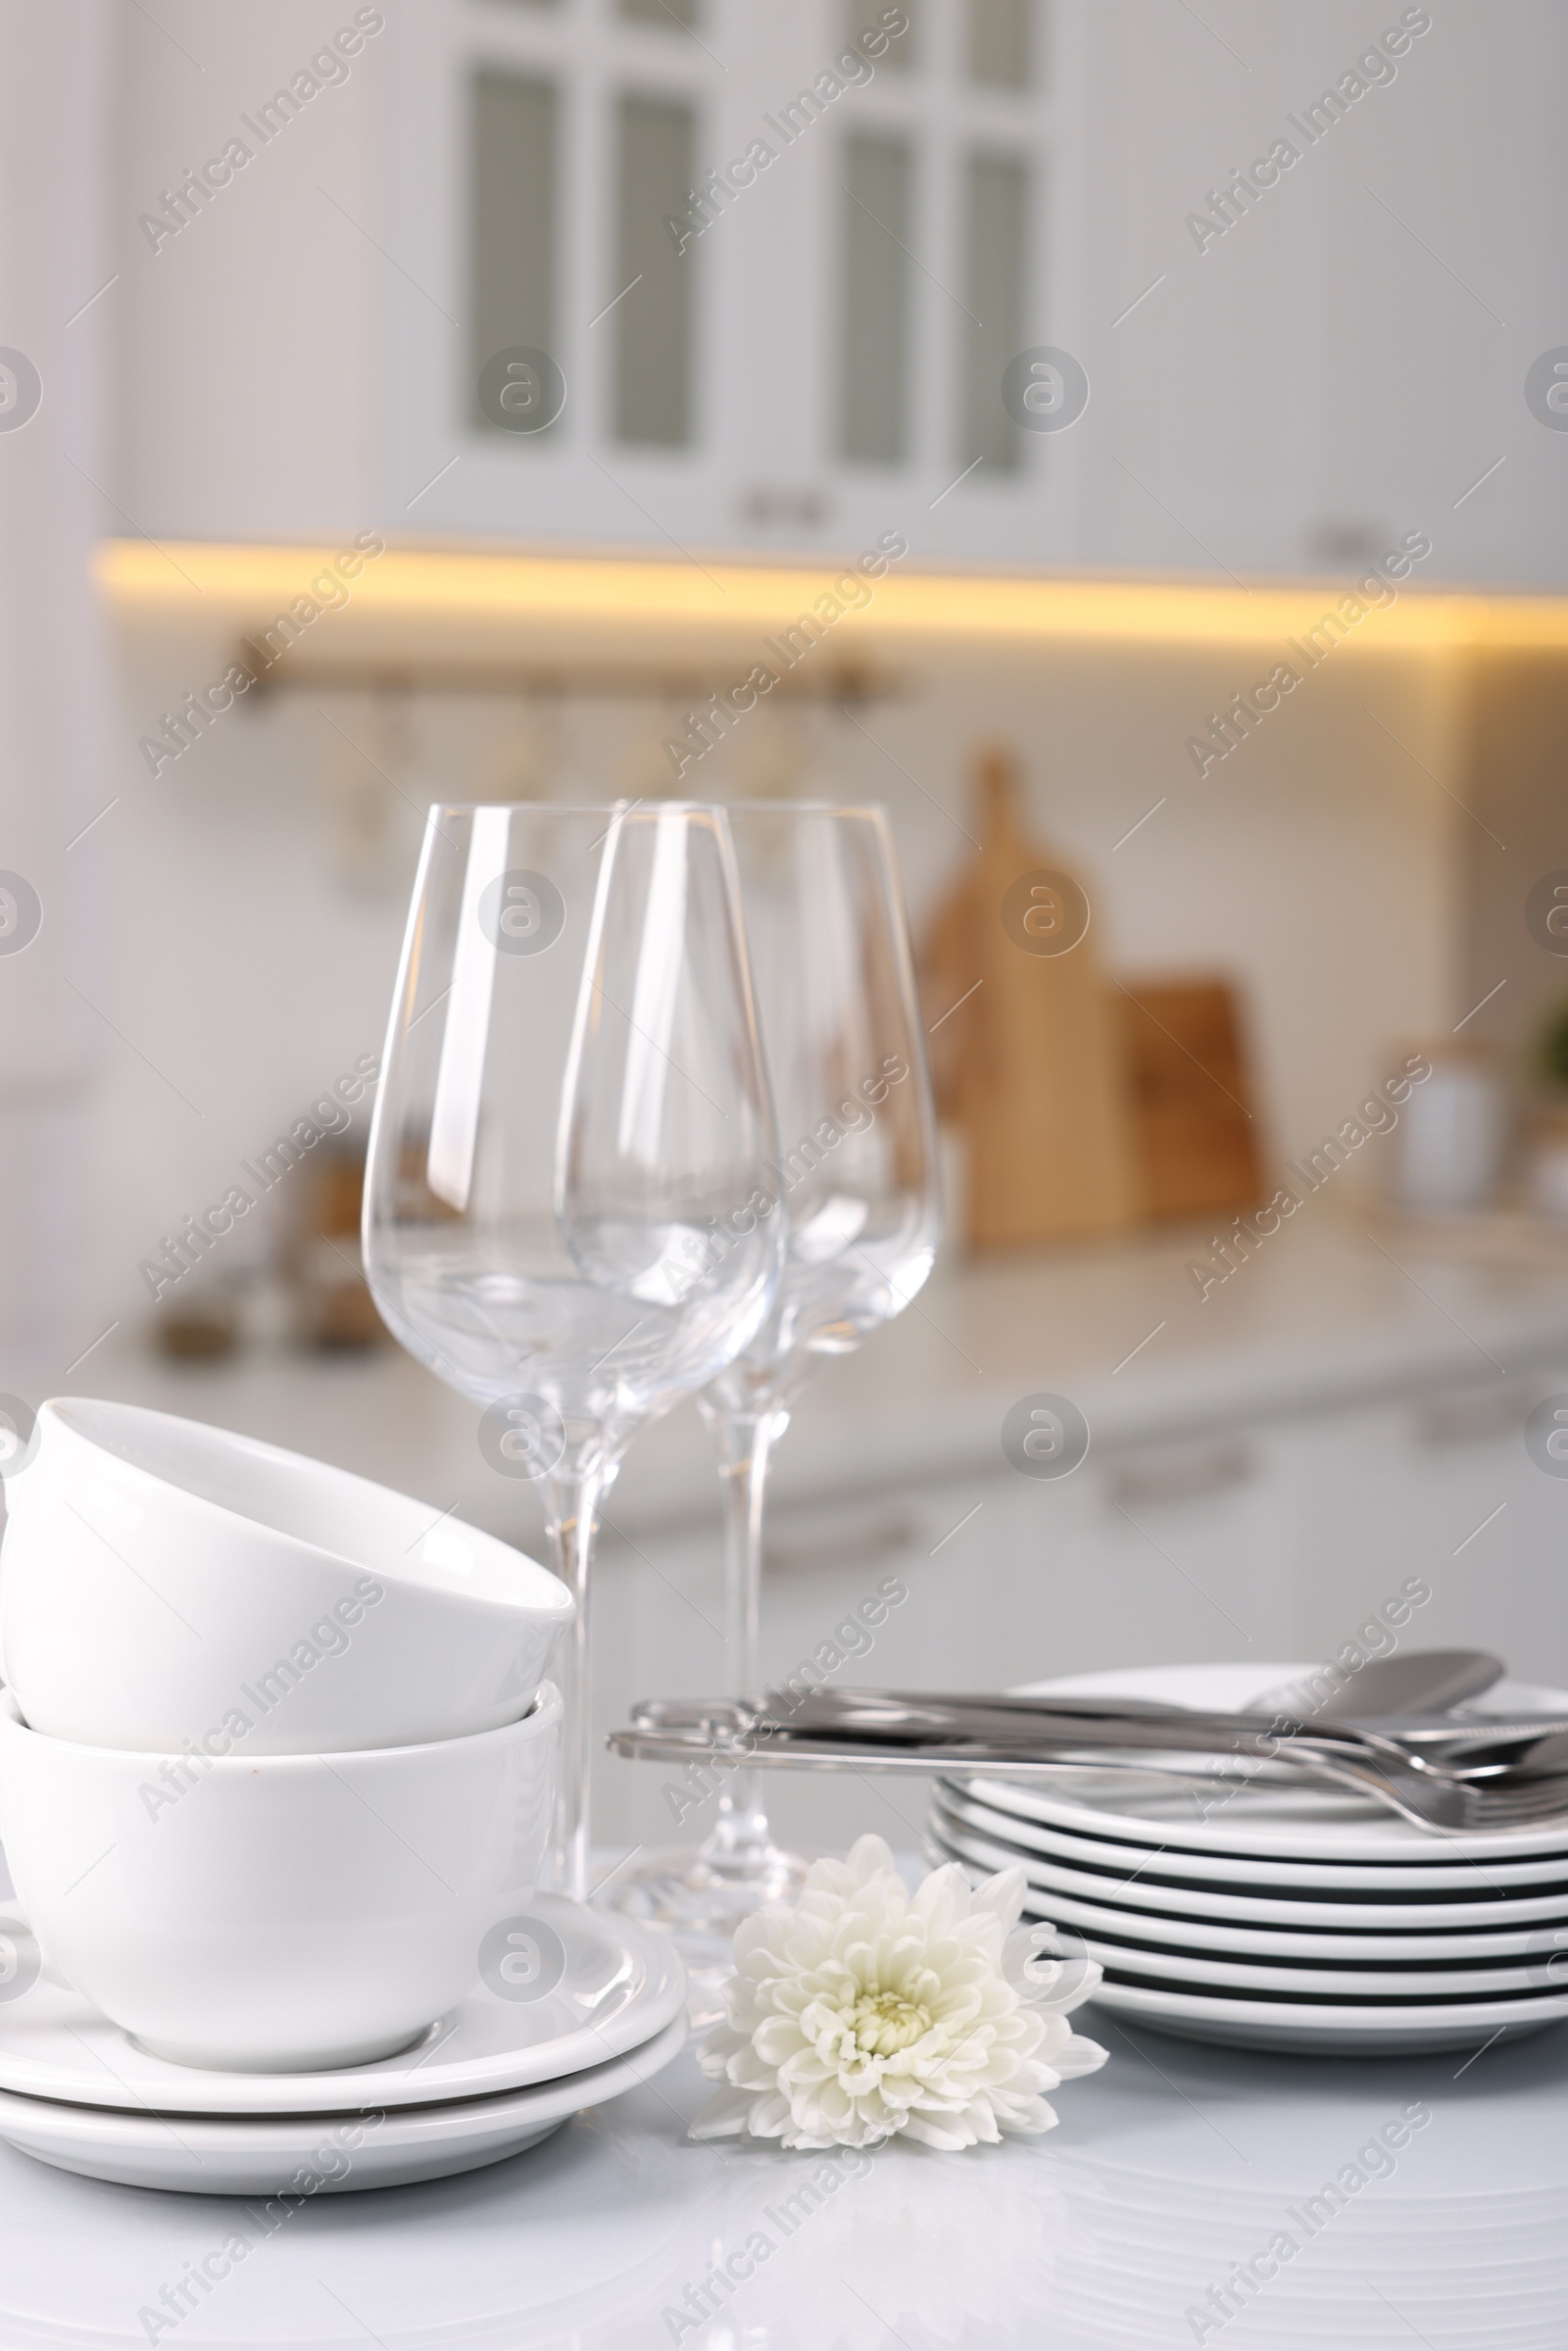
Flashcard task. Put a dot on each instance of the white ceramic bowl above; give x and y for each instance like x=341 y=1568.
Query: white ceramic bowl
x=162 y=1581
x=275 y=1913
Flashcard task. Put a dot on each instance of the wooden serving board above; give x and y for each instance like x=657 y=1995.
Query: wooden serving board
x=1194 y=1120
x=1028 y=1053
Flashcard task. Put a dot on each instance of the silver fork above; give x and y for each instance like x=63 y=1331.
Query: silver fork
x=1479 y=1748
x=1502 y=1773
x=1090 y=1736
x=1504 y=1748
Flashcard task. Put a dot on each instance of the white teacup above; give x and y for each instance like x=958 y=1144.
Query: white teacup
x=275 y=1913
x=163 y=1583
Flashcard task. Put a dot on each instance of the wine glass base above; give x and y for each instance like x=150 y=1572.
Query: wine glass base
x=698 y=1900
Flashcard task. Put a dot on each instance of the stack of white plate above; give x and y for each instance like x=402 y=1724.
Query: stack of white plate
x=495 y=2076
x=1271 y=1916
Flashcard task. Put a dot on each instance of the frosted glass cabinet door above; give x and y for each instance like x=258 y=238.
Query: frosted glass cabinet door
x=699 y=271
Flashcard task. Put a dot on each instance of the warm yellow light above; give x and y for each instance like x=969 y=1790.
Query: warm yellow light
x=243 y=586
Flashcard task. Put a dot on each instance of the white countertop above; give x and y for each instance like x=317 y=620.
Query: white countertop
x=1323 y=1314
x=1168 y=2168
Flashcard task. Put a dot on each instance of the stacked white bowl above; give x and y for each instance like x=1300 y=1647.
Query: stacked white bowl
x=277 y=1766
x=1273 y=1916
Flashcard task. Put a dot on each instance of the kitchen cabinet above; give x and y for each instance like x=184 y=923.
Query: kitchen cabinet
x=1435 y=1485
x=821 y=359
x=785 y=263
x=757 y=247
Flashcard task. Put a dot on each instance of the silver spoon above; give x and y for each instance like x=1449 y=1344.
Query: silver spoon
x=1361 y=1762
x=1422 y=1682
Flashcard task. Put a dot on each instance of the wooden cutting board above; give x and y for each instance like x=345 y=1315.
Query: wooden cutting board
x=1028 y=1051
x=1195 y=1119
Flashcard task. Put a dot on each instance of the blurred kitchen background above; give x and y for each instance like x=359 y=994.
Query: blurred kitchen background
x=1139 y=338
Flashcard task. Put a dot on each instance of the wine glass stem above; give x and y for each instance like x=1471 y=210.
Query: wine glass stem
x=745 y=1447
x=572 y=1512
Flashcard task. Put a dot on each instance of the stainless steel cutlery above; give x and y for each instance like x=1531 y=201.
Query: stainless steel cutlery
x=1418 y=1682
x=1450 y=1773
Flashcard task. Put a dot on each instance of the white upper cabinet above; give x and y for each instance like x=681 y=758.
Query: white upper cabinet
x=1245 y=288
x=1040 y=281
x=718 y=273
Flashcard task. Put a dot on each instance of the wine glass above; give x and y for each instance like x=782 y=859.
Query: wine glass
x=857 y=1179
x=571 y=1117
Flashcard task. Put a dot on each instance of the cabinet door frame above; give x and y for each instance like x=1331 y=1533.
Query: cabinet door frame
x=761 y=466
x=445 y=473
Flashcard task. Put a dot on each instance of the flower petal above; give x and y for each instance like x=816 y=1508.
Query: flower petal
x=869 y=1856
x=1003 y=1894
x=1080 y=2056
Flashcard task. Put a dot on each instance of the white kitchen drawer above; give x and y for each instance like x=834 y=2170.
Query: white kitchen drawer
x=1150 y=1555
x=1441 y=1487
x=658 y=1630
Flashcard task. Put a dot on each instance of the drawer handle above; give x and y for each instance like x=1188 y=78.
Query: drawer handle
x=1180 y=1477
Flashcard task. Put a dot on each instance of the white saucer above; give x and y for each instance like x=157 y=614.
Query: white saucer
x=1228 y=1936
x=1325 y=2029
x=1271 y=1856
x=1160 y=1960
x=1328 y=1981
x=287 y=2159
x=998 y=1842
x=1275 y=1873
x=621 y=1985
x=1294 y=1825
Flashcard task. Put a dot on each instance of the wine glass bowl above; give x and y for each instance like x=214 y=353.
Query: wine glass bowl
x=842 y=1038
x=855 y=1181
x=572 y=1118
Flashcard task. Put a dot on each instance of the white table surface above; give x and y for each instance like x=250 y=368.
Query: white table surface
x=1166 y=2169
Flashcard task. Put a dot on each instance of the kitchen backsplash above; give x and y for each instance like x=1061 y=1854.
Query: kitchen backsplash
x=1316 y=868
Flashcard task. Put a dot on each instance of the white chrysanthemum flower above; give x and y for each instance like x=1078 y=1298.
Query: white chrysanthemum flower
x=866 y=2012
